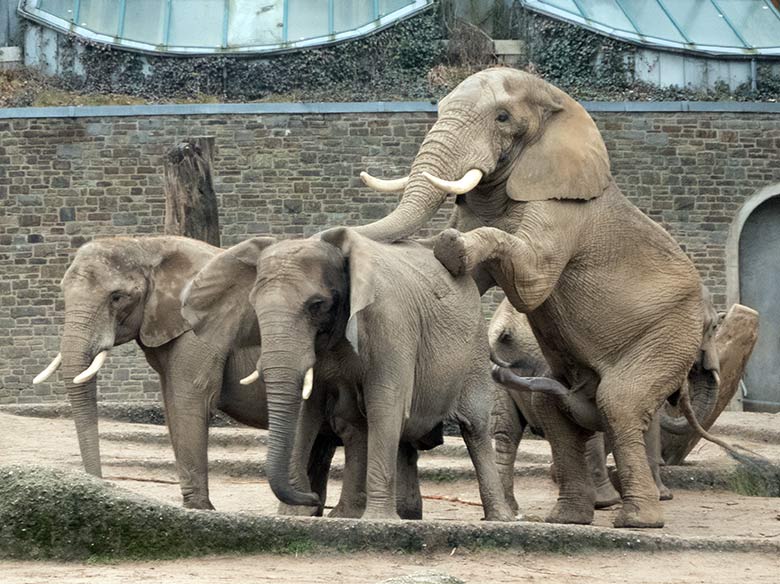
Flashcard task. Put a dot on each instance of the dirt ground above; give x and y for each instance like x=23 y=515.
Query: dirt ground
x=138 y=457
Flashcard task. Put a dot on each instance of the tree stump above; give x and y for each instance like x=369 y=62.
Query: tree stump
x=735 y=339
x=190 y=202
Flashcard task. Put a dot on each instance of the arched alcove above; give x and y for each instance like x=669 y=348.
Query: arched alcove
x=753 y=279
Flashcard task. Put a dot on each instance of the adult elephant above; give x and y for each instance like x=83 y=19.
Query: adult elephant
x=388 y=338
x=613 y=301
x=125 y=289
x=514 y=349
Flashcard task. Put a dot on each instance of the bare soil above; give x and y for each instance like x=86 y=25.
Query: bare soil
x=138 y=458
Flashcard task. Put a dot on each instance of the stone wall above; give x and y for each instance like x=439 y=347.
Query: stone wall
x=65 y=180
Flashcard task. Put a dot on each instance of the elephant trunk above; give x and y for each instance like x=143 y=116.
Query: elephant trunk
x=76 y=357
x=441 y=156
x=285 y=361
x=703 y=387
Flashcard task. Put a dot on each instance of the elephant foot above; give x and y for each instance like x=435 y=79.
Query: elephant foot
x=299 y=510
x=606 y=496
x=646 y=515
x=570 y=512
x=202 y=503
x=665 y=493
x=345 y=511
x=501 y=515
x=450 y=250
x=381 y=514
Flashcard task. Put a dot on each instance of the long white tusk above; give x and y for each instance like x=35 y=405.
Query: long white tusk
x=456 y=187
x=716 y=375
x=46 y=373
x=382 y=185
x=92 y=370
x=308 y=383
x=251 y=378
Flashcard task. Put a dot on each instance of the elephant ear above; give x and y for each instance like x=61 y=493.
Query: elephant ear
x=176 y=260
x=216 y=302
x=568 y=161
x=358 y=252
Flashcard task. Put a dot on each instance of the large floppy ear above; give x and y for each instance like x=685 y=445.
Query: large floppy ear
x=216 y=302
x=359 y=255
x=174 y=262
x=568 y=160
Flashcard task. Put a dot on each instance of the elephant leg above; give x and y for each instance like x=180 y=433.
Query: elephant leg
x=473 y=416
x=319 y=464
x=654 y=458
x=628 y=405
x=596 y=457
x=352 y=502
x=576 y=492
x=508 y=426
x=408 y=497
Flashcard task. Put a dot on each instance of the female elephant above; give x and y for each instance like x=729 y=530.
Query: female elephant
x=123 y=289
x=387 y=335
x=613 y=301
x=513 y=347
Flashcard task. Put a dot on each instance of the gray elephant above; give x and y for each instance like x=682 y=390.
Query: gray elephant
x=124 y=289
x=387 y=335
x=614 y=302
x=513 y=346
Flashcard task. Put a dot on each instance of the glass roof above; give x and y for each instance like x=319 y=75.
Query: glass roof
x=743 y=27
x=218 y=26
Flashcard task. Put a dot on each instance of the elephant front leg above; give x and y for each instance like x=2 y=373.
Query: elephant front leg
x=408 y=497
x=508 y=426
x=654 y=458
x=352 y=502
x=596 y=456
x=576 y=493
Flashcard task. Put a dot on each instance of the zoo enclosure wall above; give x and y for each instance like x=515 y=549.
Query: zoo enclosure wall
x=68 y=175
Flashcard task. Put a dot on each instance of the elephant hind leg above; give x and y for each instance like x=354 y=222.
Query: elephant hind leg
x=408 y=497
x=576 y=492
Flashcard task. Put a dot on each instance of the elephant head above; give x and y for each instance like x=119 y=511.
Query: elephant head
x=118 y=290
x=504 y=135
x=306 y=295
x=512 y=342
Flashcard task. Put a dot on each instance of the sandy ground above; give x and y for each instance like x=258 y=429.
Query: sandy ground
x=146 y=468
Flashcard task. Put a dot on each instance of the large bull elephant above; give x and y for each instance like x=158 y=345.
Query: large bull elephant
x=389 y=339
x=124 y=289
x=615 y=303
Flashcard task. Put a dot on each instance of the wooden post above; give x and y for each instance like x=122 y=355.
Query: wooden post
x=735 y=339
x=190 y=202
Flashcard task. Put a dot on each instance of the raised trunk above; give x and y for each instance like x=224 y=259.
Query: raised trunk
x=703 y=388
x=421 y=200
x=83 y=399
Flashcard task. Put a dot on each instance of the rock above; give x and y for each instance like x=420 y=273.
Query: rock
x=424 y=578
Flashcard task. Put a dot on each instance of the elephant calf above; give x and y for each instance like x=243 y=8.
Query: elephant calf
x=513 y=345
x=377 y=338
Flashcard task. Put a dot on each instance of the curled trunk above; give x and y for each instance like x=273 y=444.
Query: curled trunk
x=703 y=387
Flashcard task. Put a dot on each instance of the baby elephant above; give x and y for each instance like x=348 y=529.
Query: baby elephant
x=376 y=339
x=514 y=349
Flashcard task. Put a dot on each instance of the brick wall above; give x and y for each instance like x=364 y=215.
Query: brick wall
x=64 y=181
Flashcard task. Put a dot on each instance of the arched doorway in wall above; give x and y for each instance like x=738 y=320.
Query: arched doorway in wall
x=756 y=284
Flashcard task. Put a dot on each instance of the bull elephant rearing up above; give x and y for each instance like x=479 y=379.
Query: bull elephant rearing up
x=614 y=302
x=122 y=289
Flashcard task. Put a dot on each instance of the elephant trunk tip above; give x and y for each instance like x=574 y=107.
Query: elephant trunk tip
x=290 y=496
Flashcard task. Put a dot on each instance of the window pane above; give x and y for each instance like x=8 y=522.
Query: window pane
x=255 y=23
x=568 y=5
x=606 y=12
x=652 y=20
x=307 y=19
x=754 y=21
x=196 y=23
x=388 y=6
x=144 y=20
x=348 y=15
x=61 y=8
x=100 y=15
x=702 y=23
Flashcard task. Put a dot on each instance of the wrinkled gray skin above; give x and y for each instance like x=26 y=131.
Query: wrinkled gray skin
x=513 y=346
x=392 y=343
x=123 y=289
x=614 y=302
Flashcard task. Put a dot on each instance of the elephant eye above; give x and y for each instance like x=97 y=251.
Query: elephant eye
x=502 y=117
x=117 y=297
x=317 y=305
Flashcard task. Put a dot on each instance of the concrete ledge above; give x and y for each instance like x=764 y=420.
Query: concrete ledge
x=46 y=513
x=324 y=108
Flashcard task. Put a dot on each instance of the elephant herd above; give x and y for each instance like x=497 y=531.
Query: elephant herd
x=364 y=338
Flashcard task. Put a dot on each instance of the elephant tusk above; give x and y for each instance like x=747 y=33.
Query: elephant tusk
x=457 y=187
x=251 y=378
x=382 y=185
x=716 y=377
x=46 y=373
x=92 y=370
x=308 y=383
